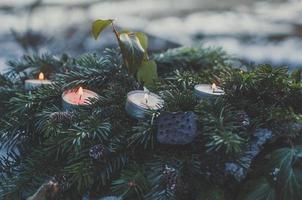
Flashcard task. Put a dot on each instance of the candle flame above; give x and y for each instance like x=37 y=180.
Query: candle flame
x=41 y=76
x=80 y=92
x=146 y=97
x=214 y=87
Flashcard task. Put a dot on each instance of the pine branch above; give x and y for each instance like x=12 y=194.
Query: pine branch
x=95 y=147
x=221 y=127
x=197 y=58
x=31 y=66
x=132 y=183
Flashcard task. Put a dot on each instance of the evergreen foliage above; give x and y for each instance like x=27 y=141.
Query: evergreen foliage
x=101 y=151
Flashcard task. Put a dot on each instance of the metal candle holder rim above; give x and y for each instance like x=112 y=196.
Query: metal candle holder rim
x=31 y=84
x=141 y=91
x=202 y=92
x=39 y=81
x=84 y=90
x=137 y=111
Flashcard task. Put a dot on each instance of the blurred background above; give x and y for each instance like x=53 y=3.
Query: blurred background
x=267 y=31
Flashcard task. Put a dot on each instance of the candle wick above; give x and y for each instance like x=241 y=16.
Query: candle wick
x=147 y=97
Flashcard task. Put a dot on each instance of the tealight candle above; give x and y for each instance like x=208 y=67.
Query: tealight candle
x=139 y=103
x=73 y=99
x=32 y=84
x=207 y=90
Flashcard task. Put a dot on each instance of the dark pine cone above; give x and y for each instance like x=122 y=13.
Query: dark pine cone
x=62 y=182
x=243 y=119
x=98 y=151
x=170 y=178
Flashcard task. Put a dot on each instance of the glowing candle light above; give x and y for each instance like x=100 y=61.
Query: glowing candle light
x=207 y=90
x=80 y=97
x=41 y=76
x=32 y=84
x=214 y=87
x=80 y=93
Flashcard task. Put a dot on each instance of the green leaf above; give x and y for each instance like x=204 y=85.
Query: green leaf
x=143 y=39
x=125 y=31
x=99 y=25
x=147 y=73
x=132 y=50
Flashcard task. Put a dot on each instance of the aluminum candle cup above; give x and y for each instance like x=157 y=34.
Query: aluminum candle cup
x=32 y=84
x=207 y=90
x=140 y=103
x=75 y=99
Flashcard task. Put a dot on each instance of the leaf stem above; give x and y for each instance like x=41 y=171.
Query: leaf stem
x=115 y=31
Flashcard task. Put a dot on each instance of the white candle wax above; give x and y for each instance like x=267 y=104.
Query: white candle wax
x=145 y=100
x=139 y=102
x=32 y=84
x=207 y=90
x=72 y=99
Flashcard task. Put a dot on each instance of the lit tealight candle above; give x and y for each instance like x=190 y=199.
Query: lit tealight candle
x=139 y=103
x=32 y=84
x=207 y=90
x=72 y=99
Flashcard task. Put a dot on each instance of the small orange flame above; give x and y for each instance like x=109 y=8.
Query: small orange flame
x=214 y=87
x=80 y=91
x=41 y=76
